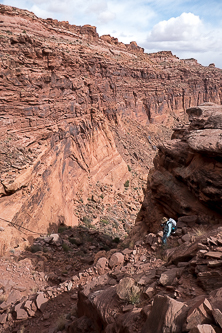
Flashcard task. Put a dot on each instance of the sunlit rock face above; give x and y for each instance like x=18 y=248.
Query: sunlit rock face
x=77 y=110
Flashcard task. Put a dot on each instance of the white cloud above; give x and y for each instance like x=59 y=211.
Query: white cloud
x=180 y=28
x=96 y=6
x=186 y=36
x=106 y=17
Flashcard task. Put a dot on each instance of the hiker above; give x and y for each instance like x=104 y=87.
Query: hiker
x=170 y=226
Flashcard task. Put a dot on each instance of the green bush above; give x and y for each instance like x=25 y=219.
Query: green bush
x=35 y=248
x=61 y=228
x=86 y=221
x=65 y=247
x=104 y=221
x=126 y=183
x=116 y=240
x=129 y=169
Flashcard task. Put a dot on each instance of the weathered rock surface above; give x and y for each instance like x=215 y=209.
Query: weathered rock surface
x=186 y=180
x=167 y=315
x=76 y=109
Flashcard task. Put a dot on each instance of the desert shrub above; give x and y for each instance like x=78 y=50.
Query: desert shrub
x=61 y=322
x=34 y=248
x=116 y=240
x=126 y=183
x=104 y=221
x=199 y=231
x=72 y=240
x=86 y=221
x=65 y=247
x=61 y=228
x=129 y=168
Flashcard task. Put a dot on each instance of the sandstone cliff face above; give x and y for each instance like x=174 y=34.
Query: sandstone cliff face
x=186 y=178
x=75 y=110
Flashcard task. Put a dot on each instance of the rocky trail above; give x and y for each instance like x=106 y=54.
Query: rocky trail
x=80 y=280
x=100 y=141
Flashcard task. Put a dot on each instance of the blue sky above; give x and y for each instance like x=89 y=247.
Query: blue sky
x=190 y=29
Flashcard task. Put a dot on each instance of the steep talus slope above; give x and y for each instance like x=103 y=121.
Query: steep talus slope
x=75 y=110
x=186 y=178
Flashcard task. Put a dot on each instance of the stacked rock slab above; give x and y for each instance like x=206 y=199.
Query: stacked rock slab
x=187 y=176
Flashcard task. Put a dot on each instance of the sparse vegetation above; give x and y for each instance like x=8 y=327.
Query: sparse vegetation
x=116 y=240
x=72 y=240
x=61 y=228
x=199 y=231
x=86 y=221
x=129 y=168
x=104 y=221
x=126 y=183
x=61 y=322
x=24 y=31
x=34 y=248
x=134 y=295
x=65 y=247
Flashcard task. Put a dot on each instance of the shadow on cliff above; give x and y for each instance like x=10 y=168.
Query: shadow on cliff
x=67 y=252
x=61 y=263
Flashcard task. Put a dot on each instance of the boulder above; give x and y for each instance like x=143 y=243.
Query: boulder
x=168 y=276
x=217 y=314
x=166 y=315
x=205 y=328
x=99 y=306
x=117 y=259
x=3 y=317
x=200 y=313
x=41 y=301
x=127 y=290
x=20 y=312
x=102 y=265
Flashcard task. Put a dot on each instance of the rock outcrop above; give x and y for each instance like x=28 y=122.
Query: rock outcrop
x=186 y=178
x=77 y=113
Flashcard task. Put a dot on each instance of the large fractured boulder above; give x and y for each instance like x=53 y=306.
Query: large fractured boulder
x=127 y=290
x=168 y=276
x=217 y=314
x=167 y=315
x=205 y=328
x=99 y=306
x=200 y=313
x=117 y=259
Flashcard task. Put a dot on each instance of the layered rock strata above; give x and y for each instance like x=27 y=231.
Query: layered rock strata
x=75 y=110
x=187 y=173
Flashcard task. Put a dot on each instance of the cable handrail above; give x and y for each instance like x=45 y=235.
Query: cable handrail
x=15 y=224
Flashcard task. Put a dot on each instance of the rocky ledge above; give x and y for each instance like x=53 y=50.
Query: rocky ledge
x=187 y=173
x=138 y=287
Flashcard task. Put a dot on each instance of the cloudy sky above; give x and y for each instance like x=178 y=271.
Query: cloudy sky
x=189 y=28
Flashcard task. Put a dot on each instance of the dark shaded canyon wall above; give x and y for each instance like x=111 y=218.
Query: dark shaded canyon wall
x=187 y=173
x=62 y=90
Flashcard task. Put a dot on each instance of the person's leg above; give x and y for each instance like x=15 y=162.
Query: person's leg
x=169 y=229
x=165 y=232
